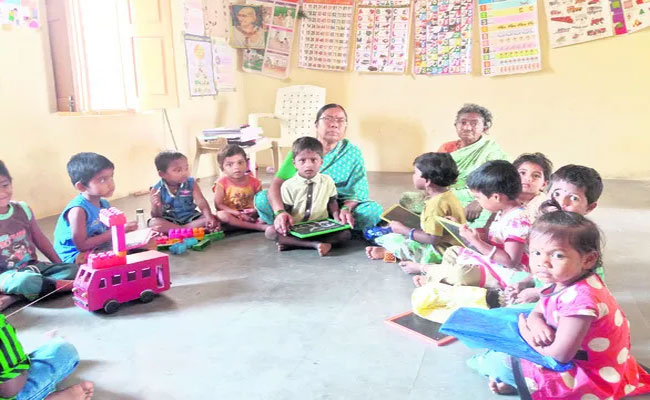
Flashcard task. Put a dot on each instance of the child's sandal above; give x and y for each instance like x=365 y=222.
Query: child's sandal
x=389 y=257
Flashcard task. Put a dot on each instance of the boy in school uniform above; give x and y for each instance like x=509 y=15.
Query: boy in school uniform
x=308 y=196
x=78 y=230
x=21 y=273
x=176 y=197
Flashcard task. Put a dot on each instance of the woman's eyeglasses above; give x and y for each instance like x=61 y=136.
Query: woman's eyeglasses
x=329 y=120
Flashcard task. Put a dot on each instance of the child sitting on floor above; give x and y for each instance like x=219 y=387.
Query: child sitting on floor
x=175 y=198
x=433 y=173
x=36 y=375
x=234 y=192
x=308 y=196
x=574 y=188
x=576 y=320
x=78 y=230
x=535 y=170
x=21 y=273
x=491 y=264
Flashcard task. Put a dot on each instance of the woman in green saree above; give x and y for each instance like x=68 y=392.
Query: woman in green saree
x=342 y=161
x=472 y=149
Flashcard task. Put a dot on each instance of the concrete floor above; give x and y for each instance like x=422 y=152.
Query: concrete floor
x=243 y=321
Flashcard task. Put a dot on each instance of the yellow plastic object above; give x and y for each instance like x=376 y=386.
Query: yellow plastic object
x=436 y=301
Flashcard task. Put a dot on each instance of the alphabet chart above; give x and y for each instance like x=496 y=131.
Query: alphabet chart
x=509 y=37
x=577 y=21
x=325 y=34
x=443 y=37
x=383 y=28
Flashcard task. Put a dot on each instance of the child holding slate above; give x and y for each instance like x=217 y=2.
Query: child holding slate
x=433 y=173
x=308 y=196
x=577 y=319
x=496 y=185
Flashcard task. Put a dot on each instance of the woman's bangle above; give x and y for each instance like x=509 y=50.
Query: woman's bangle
x=411 y=233
x=345 y=208
x=494 y=250
x=276 y=213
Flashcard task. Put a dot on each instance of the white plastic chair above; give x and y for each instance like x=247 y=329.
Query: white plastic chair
x=295 y=108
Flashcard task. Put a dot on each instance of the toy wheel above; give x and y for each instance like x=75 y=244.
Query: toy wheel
x=111 y=306
x=147 y=295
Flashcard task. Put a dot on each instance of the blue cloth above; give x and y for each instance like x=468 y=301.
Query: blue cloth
x=494 y=365
x=63 y=243
x=50 y=364
x=497 y=329
x=180 y=207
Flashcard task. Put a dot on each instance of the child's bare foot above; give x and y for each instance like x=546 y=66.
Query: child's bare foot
x=81 y=391
x=501 y=387
x=419 y=280
x=375 y=252
x=282 y=247
x=7 y=299
x=323 y=248
x=410 y=267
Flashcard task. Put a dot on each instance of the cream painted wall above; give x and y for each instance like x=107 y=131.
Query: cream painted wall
x=37 y=142
x=589 y=105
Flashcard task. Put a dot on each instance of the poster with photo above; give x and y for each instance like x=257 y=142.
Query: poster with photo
x=383 y=29
x=509 y=33
x=325 y=34
x=200 y=71
x=279 y=21
x=443 y=37
x=577 y=21
x=223 y=61
x=248 y=30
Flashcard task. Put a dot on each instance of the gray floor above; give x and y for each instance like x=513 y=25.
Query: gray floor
x=243 y=321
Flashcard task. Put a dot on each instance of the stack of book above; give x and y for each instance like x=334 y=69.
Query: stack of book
x=242 y=136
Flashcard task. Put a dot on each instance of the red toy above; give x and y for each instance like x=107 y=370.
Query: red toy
x=111 y=278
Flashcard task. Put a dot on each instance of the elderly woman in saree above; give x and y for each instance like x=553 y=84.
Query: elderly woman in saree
x=342 y=161
x=472 y=149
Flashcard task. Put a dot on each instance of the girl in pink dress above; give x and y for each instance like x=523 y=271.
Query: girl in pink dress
x=577 y=319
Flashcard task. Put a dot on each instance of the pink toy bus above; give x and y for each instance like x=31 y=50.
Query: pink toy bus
x=143 y=276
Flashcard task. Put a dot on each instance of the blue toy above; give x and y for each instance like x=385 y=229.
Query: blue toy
x=497 y=329
x=373 y=233
x=178 y=248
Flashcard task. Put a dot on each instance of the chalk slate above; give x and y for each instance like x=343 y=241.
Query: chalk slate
x=454 y=230
x=401 y=214
x=423 y=327
x=315 y=228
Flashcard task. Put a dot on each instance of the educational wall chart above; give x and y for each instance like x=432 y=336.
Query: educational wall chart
x=325 y=34
x=443 y=37
x=224 y=65
x=200 y=72
x=509 y=35
x=577 y=21
x=216 y=16
x=383 y=28
x=20 y=13
x=193 y=23
x=279 y=18
x=637 y=14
